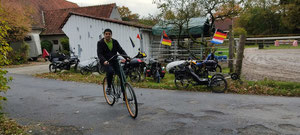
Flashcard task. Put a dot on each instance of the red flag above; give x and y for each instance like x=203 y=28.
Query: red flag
x=138 y=36
x=165 y=39
x=219 y=37
x=45 y=53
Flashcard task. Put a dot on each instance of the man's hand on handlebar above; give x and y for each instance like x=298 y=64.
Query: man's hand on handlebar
x=106 y=63
x=124 y=60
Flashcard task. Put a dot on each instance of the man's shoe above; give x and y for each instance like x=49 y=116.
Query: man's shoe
x=108 y=90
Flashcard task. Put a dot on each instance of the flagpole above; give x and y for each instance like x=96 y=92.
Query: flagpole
x=160 y=46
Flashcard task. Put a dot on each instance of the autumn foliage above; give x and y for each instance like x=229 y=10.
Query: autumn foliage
x=17 y=18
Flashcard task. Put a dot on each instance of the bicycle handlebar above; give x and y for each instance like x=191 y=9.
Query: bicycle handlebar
x=118 y=55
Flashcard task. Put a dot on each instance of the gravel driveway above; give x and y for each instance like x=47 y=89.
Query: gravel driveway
x=277 y=64
x=41 y=67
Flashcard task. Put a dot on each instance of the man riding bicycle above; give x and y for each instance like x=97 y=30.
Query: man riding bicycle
x=107 y=47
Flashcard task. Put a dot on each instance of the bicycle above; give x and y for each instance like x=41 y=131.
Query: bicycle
x=94 y=66
x=121 y=86
x=184 y=76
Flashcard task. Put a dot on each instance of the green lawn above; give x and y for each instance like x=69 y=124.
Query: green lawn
x=265 y=87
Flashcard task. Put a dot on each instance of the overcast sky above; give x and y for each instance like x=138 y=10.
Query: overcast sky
x=142 y=7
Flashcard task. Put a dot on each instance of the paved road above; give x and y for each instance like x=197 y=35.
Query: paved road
x=56 y=107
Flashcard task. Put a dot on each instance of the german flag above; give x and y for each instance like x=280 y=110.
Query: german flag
x=165 y=40
x=219 y=37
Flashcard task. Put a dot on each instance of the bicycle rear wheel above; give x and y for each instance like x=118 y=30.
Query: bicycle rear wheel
x=131 y=101
x=181 y=82
x=84 y=71
x=135 y=75
x=100 y=69
x=218 y=84
x=110 y=99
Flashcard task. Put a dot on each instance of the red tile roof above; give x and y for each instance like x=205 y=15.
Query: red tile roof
x=41 y=5
x=106 y=19
x=224 y=24
x=54 y=18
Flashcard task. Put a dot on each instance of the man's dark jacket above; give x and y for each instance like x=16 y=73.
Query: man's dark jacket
x=105 y=54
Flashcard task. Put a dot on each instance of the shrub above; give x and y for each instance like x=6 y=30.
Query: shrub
x=65 y=43
x=24 y=52
x=239 y=31
x=21 y=56
x=46 y=44
x=66 y=46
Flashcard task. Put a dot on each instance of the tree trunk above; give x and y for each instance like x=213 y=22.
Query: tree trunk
x=240 y=55
x=231 y=52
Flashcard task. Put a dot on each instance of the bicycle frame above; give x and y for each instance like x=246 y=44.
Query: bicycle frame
x=122 y=77
x=128 y=93
x=194 y=76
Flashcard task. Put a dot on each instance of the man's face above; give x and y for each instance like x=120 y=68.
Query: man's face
x=107 y=36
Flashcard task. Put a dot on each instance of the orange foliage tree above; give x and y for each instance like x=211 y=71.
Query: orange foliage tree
x=18 y=18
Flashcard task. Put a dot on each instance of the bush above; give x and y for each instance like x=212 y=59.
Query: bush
x=21 y=56
x=46 y=44
x=66 y=46
x=239 y=31
x=24 y=52
x=65 y=43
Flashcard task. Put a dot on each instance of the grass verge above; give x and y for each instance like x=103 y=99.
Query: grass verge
x=10 y=127
x=265 y=87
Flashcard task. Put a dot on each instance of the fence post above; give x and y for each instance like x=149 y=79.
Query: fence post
x=240 y=55
x=231 y=52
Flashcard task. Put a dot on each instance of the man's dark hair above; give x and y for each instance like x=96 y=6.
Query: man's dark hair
x=107 y=30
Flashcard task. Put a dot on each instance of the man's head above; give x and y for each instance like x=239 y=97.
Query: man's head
x=107 y=34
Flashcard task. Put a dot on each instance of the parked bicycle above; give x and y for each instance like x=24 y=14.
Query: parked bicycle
x=210 y=64
x=94 y=66
x=155 y=70
x=184 y=76
x=121 y=86
x=140 y=64
x=131 y=70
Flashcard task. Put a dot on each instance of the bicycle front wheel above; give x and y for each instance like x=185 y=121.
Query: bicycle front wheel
x=52 y=68
x=130 y=100
x=110 y=99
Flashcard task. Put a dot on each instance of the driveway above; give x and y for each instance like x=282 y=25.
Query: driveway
x=37 y=68
x=276 y=64
x=54 y=107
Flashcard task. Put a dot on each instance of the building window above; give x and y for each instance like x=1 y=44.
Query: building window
x=55 y=42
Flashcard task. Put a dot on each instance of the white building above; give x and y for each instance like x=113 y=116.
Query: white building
x=85 y=31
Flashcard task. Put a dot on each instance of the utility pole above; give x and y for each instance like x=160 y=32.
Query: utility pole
x=231 y=52
x=240 y=54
